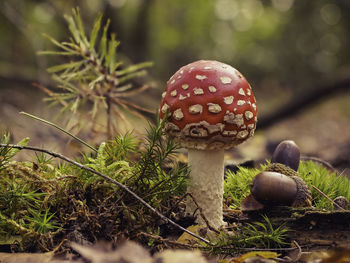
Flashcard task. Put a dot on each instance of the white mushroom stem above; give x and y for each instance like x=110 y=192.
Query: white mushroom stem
x=206 y=185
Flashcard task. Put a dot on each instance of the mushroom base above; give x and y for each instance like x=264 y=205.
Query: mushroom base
x=206 y=185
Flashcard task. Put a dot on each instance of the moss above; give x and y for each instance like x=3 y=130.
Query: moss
x=330 y=183
x=43 y=200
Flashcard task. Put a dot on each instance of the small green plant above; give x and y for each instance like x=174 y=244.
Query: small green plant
x=41 y=221
x=330 y=183
x=6 y=153
x=257 y=235
x=16 y=196
x=95 y=76
x=150 y=169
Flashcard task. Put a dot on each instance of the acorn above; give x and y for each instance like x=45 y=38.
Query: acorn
x=287 y=153
x=341 y=203
x=249 y=203
x=280 y=185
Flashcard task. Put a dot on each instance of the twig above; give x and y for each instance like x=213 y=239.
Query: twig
x=59 y=128
x=202 y=215
x=326 y=196
x=288 y=259
x=50 y=93
x=107 y=178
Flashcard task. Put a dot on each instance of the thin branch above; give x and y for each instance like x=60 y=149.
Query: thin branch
x=202 y=215
x=326 y=196
x=111 y=180
x=59 y=128
x=50 y=93
x=132 y=92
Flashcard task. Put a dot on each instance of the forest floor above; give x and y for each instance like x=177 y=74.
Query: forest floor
x=321 y=132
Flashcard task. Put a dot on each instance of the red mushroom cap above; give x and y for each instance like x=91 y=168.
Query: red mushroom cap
x=210 y=105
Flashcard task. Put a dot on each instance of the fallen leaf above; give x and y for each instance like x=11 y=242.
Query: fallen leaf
x=262 y=254
x=186 y=238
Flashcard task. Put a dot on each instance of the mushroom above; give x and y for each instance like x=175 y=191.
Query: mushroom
x=210 y=107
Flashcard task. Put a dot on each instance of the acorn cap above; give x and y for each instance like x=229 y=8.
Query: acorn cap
x=341 y=203
x=209 y=105
x=303 y=196
x=281 y=168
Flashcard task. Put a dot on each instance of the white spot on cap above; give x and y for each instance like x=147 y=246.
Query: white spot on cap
x=198 y=91
x=251 y=126
x=212 y=89
x=254 y=106
x=242 y=134
x=201 y=77
x=163 y=94
x=195 y=109
x=181 y=97
x=173 y=81
x=214 y=108
x=185 y=86
x=236 y=119
x=182 y=71
x=241 y=91
x=225 y=80
x=228 y=100
x=229 y=117
x=248 y=115
x=165 y=108
x=240 y=102
x=248 y=92
x=207 y=67
x=173 y=93
x=178 y=114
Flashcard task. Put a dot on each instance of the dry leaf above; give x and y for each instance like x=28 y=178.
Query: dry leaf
x=253 y=254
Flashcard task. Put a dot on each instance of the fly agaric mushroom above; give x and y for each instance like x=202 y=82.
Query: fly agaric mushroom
x=210 y=107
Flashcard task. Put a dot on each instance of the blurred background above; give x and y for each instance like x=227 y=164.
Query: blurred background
x=294 y=53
